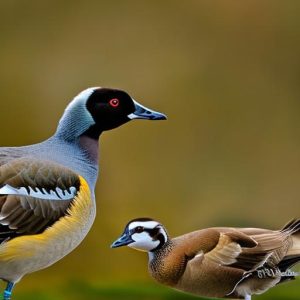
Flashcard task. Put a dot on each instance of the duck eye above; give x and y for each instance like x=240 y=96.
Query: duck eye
x=139 y=229
x=114 y=102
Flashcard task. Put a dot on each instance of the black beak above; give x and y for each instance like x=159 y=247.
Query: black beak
x=142 y=112
x=124 y=240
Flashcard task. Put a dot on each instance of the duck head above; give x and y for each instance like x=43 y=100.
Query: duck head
x=142 y=234
x=97 y=109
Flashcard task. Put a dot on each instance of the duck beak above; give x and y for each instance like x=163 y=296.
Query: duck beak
x=142 y=112
x=124 y=240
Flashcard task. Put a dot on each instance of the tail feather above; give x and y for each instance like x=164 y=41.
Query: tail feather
x=286 y=278
x=285 y=265
x=292 y=226
x=293 y=229
x=288 y=262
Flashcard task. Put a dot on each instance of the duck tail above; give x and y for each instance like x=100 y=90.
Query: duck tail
x=293 y=254
x=292 y=226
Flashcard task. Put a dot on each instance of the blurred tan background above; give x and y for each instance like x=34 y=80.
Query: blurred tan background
x=225 y=72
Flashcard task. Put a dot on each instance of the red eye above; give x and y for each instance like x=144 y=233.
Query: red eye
x=114 y=102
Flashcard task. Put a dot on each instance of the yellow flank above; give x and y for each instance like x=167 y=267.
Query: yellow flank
x=64 y=231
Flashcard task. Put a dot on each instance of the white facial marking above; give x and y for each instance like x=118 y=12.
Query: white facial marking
x=146 y=224
x=162 y=230
x=143 y=242
x=57 y=194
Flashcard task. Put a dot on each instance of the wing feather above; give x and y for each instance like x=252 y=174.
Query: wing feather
x=35 y=202
x=249 y=249
x=229 y=247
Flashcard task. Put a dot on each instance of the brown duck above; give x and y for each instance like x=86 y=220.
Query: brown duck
x=219 y=262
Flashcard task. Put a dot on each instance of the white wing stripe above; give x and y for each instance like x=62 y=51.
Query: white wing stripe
x=57 y=194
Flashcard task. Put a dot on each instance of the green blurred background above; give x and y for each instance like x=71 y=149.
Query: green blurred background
x=227 y=75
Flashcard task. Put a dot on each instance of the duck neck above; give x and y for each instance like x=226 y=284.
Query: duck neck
x=160 y=252
x=71 y=127
x=76 y=119
x=91 y=147
x=166 y=265
x=88 y=145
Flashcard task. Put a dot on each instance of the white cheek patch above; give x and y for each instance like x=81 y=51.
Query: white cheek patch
x=143 y=242
x=41 y=193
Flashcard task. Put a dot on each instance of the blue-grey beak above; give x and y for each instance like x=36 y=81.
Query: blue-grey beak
x=124 y=240
x=142 y=112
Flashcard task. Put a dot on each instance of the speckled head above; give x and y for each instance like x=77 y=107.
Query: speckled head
x=143 y=234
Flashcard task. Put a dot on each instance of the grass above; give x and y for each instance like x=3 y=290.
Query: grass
x=80 y=290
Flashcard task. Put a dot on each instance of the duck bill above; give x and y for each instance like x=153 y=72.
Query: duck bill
x=124 y=240
x=142 y=112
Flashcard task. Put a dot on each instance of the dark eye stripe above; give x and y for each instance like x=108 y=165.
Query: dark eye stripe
x=139 y=229
x=152 y=232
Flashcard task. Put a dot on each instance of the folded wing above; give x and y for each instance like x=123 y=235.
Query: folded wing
x=34 y=194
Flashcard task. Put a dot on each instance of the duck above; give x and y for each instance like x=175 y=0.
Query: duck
x=218 y=262
x=47 y=190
